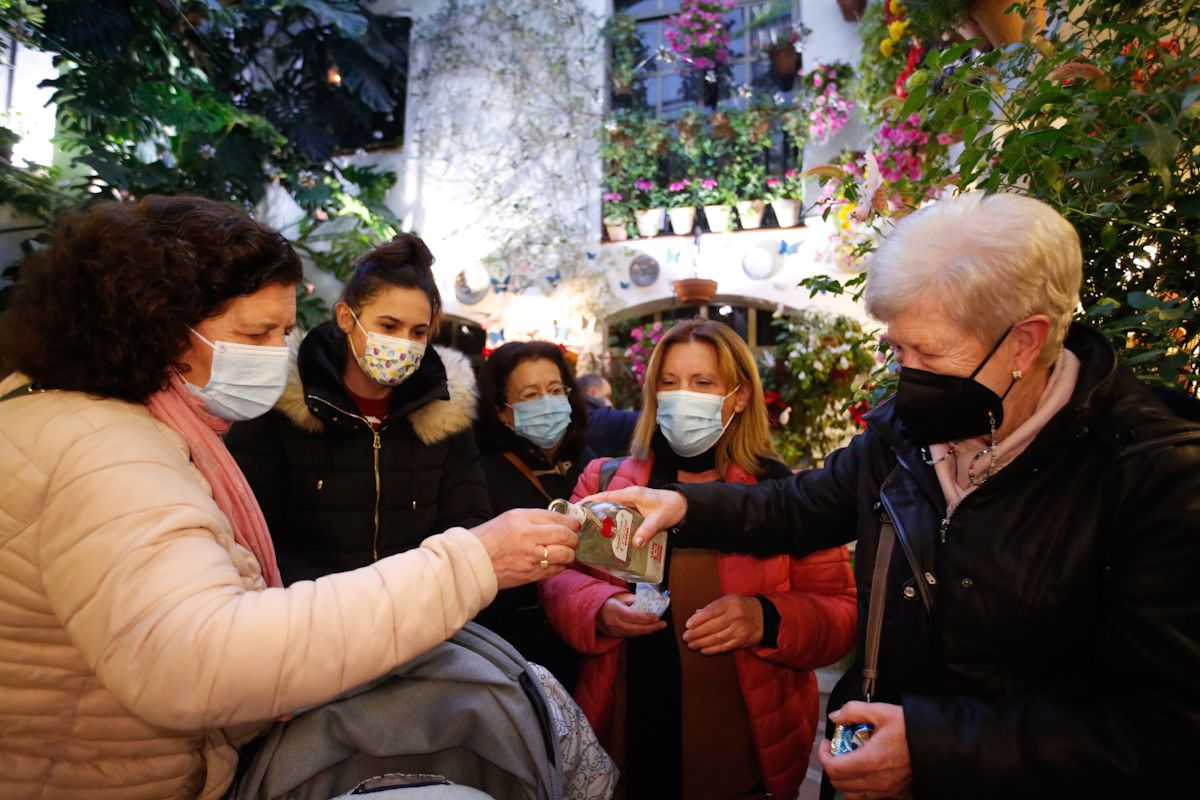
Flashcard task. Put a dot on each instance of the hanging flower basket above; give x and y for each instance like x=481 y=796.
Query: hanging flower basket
x=785 y=61
x=695 y=291
x=852 y=10
x=1004 y=29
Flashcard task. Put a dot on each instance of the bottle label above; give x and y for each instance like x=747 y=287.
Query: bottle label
x=622 y=535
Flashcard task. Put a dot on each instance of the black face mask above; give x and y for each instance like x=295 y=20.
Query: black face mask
x=945 y=408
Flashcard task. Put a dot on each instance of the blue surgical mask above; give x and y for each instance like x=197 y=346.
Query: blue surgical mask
x=246 y=380
x=691 y=421
x=542 y=421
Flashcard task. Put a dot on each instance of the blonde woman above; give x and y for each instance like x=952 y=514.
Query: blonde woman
x=717 y=698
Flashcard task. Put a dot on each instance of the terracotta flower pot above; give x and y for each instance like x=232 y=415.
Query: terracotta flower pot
x=683 y=219
x=1004 y=29
x=787 y=212
x=649 y=222
x=616 y=231
x=750 y=213
x=718 y=218
x=695 y=291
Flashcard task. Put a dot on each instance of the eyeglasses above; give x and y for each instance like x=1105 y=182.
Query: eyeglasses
x=537 y=393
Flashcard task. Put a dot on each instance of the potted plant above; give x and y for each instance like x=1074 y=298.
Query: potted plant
x=752 y=199
x=1001 y=28
x=717 y=198
x=698 y=37
x=852 y=10
x=786 y=195
x=616 y=216
x=648 y=207
x=747 y=160
x=823 y=100
x=626 y=57
x=681 y=206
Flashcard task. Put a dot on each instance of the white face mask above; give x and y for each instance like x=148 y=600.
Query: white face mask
x=387 y=360
x=245 y=381
x=691 y=421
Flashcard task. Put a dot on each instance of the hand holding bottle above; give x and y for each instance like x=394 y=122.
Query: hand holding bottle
x=661 y=509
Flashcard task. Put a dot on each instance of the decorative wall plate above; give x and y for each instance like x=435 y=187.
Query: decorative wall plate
x=466 y=294
x=761 y=261
x=643 y=270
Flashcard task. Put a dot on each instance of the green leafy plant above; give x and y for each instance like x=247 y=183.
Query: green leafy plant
x=818 y=364
x=626 y=58
x=221 y=99
x=1104 y=125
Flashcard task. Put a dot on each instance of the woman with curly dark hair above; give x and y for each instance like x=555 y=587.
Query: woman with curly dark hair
x=144 y=630
x=532 y=434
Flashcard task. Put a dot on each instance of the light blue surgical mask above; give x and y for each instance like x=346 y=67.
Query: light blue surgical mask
x=246 y=380
x=542 y=421
x=691 y=421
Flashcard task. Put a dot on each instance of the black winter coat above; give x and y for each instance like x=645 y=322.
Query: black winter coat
x=516 y=613
x=609 y=430
x=1045 y=640
x=337 y=496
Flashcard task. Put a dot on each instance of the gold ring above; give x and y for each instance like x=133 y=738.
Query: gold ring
x=543 y=563
x=545 y=553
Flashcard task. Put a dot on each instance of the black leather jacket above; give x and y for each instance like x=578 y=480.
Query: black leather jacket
x=1045 y=642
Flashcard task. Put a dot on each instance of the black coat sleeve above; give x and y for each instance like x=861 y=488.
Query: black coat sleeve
x=463 y=492
x=257 y=446
x=796 y=515
x=1131 y=726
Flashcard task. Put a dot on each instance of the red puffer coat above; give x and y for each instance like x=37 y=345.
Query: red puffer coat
x=817 y=606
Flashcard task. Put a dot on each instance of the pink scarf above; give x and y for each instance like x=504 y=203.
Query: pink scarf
x=183 y=412
x=952 y=472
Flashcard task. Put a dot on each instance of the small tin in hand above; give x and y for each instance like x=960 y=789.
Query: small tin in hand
x=850 y=737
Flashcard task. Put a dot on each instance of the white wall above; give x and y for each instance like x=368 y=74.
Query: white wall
x=439 y=207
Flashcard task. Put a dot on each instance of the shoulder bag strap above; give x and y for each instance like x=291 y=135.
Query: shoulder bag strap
x=883 y=558
x=607 y=470
x=520 y=465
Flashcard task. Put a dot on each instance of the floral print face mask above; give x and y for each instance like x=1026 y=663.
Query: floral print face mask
x=387 y=360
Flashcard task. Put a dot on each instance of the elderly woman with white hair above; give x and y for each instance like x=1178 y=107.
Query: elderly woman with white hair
x=1028 y=525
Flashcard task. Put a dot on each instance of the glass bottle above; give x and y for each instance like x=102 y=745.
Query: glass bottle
x=606 y=540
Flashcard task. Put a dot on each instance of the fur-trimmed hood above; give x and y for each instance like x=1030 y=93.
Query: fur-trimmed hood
x=435 y=416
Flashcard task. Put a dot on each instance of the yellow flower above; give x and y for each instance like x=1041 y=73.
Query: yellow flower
x=886 y=47
x=895 y=7
x=897 y=28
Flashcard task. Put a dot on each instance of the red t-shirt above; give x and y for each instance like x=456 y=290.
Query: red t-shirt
x=375 y=411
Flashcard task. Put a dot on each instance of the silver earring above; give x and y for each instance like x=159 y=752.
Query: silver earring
x=1017 y=374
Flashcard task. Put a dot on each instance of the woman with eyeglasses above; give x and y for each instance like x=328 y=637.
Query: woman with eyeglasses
x=531 y=433
x=369 y=450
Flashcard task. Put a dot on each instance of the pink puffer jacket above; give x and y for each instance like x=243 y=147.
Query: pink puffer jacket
x=817 y=605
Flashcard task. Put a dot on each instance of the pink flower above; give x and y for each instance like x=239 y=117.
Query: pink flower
x=708 y=183
x=636 y=333
x=945 y=139
x=657 y=327
x=773 y=182
x=643 y=184
x=612 y=196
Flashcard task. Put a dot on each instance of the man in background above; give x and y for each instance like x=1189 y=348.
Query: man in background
x=608 y=428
